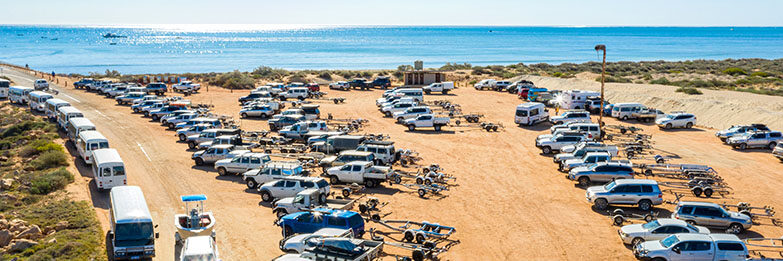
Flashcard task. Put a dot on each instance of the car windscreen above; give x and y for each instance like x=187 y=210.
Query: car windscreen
x=133 y=234
x=355 y=221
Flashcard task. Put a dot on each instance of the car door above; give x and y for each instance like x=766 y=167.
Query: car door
x=289 y=190
x=425 y=121
x=356 y=174
x=718 y=217
x=255 y=162
x=241 y=164
x=632 y=194
x=700 y=251
x=757 y=140
x=704 y=216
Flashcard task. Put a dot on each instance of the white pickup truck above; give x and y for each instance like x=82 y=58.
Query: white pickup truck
x=186 y=86
x=308 y=199
x=300 y=129
x=426 y=121
x=362 y=172
x=691 y=246
x=441 y=87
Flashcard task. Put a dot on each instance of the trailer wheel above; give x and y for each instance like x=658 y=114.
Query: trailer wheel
x=648 y=172
x=428 y=182
x=417 y=255
x=648 y=217
x=420 y=238
x=422 y=192
x=494 y=128
x=419 y=180
x=437 y=127
x=408 y=236
x=618 y=220
x=697 y=191
x=397 y=179
x=346 y=192
x=601 y=203
x=363 y=208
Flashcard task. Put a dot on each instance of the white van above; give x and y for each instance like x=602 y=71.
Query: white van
x=37 y=100
x=18 y=94
x=575 y=99
x=108 y=169
x=77 y=125
x=530 y=113
x=52 y=105
x=416 y=93
x=64 y=114
x=623 y=111
x=132 y=233
x=4 y=85
x=88 y=142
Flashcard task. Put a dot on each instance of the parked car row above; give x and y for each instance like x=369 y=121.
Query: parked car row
x=406 y=106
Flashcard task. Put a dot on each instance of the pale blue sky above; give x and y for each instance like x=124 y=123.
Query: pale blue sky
x=398 y=12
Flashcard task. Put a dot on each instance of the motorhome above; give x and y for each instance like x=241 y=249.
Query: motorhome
x=18 y=94
x=88 y=142
x=4 y=85
x=77 y=125
x=64 y=114
x=132 y=234
x=575 y=99
x=531 y=113
x=52 y=105
x=37 y=100
x=623 y=111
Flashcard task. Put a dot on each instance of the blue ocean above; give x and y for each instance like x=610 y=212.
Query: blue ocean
x=218 y=48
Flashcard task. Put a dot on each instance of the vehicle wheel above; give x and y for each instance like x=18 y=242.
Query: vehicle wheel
x=735 y=228
x=244 y=115
x=743 y=146
x=421 y=192
x=155 y=117
x=408 y=236
x=645 y=205
x=546 y=150
x=182 y=137
x=427 y=92
x=428 y=182
x=222 y=171
x=559 y=123
x=658 y=259
x=287 y=231
x=199 y=162
x=771 y=145
x=420 y=238
x=625 y=118
x=668 y=126
x=388 y=114
x=191 y=145
x=690 y=222
x=419 y=180
x=400 y=119
x=346 y=192
x=334 y=180
x=171 y=125
x=601 y=203
x=584 y=181
x=437 y=127
x=411 y=127
x=637 y=241
x=689 y=125
x=321 y=199
x=370 y=183
x=251 y=184
x=445 y=92
x=267 y=197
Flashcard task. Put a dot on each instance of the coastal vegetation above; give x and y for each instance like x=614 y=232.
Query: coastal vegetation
x=38 y=221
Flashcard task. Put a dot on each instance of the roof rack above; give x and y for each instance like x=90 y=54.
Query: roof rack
x=378 y=142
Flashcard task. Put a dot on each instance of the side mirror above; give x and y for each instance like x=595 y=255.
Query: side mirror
x=676 y=250
x=157 y=234
x=156 y=226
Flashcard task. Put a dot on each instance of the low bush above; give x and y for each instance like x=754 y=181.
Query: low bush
x=234 y=80
x=50 y=159
x=325 y=75
x=269 y=72
x=688 y=90
x=662 y=81
x=734 y=71
x=21 y=128
x=760 y=74
x=610 y=78
x=51 y=181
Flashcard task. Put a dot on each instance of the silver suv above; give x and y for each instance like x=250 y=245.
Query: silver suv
x=766 y=139
x=778 y=151
x=601 y=172
x=642 y=192
x=712 y=215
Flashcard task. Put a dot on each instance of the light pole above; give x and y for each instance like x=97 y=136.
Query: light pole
x=602 y=47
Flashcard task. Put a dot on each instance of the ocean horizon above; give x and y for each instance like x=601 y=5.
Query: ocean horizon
x=138 y=49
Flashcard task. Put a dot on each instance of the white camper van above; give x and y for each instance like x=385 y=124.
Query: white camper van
x=575 y=99
x=108 y=170
x=4 y=85
x=88 y=142
x=18 y=94
x=132 y=233
x=37 y=100
x=530 y=113
x=52 y=105
x=623 y=111
x=64 y=114
x=77 y=125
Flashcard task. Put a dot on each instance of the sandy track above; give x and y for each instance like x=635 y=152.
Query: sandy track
x=511 y=203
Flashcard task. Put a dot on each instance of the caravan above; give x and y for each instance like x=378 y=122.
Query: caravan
x=108 y=170
x=132 y=234
x=37 y=100
x=88 y=142
x=77 y=125
x=530 y=113
x=64 y=114
x=18 y=94
x=4 y=85
x=623 y=111
x=575 y=99
x=52 y=105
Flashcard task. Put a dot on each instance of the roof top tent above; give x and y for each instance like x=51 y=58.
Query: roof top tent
x=421 y=78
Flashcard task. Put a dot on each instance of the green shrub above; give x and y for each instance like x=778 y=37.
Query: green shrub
x=760 y=74
x=662 y=81
x=688 y=90
x=234 y=80
x=269 y=72
x=610 y=78
x=647 y=77
x=50 y=159
x=21 y=128
x=325 y=75
x=734 y=71
x=51 y=181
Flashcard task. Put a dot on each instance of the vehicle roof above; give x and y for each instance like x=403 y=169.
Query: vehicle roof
x=91 y=135
x=671 y=221
x=359 y=163
x=724 y=237
x=40 y=93
x=21 y=87
x=106 y=156
x=311 y=106
x=530 y=105
x=333 y=212
x=635 y=181
x=355 y=152
x=81 y=121
x=694 y=236
x=128 y=204
x=4 y=80
x=197 y=245
x=255 y=154
x=597 y=153
x=222 y=146
x=627 y=104
x=697 y=203
x=56 y=101
x=69 y=109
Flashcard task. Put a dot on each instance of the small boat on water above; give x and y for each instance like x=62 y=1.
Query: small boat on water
x=195 y=223
x=112 y=43
x=111 y=35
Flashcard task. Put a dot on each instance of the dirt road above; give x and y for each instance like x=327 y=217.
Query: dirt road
x=511 y=202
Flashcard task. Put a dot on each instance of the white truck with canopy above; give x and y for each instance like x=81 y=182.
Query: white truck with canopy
x=362 y=172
